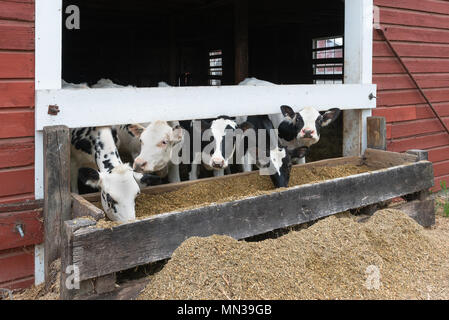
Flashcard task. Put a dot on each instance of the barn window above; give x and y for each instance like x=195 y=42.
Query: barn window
x=215 y=67
x=327 y=55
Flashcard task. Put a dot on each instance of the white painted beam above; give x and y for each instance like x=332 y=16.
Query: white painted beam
x=358 y=69
x=48 y=62
x=96 y=107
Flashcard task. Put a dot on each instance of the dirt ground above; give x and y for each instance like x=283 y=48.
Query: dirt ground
x=388 y=256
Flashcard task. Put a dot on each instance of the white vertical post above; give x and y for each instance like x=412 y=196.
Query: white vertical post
x=358 y=69
x=48 y=61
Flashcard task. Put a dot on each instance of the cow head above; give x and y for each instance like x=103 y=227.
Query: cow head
x=119 y=190
x=305 y=126
x=218 y=142
x=156 y=145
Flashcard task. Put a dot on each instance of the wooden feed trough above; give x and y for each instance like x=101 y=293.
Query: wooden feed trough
x=99 y=253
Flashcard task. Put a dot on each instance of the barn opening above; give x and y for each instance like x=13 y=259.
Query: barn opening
x=209 y=43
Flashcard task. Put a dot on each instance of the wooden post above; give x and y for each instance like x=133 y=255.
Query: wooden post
x=173 y=52
x=241 y=39
x=57 y=200
x=69 y=280
x=376 y=133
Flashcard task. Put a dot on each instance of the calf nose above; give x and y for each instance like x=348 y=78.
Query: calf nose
x=139 y=165
x=218 y=163
x=308 y=133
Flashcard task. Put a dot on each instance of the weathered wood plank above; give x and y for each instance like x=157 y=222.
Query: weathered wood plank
x=420 y=154
x=68 y=228
x=376 y=133
x=382 y=159
x=82 y=208
x=99 y=252
x=126 y=291
x=57 y=201
x=22 y=206
x=422 y=211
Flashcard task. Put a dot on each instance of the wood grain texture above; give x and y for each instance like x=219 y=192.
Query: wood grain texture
x=83 y=208
x=15 y=94
x=16 y=65
x=16 y=264
x=376 y=133
x=17 y=10
x=57 y=200
x=415 y=34
x=410 y=49
x=391 y=65
x=16 y=36
x=16 y=181
x=67 y=230
x=16 y=124
x=433 y=6
x=99 y=252
x=412 y=112
x=16 y=153
x=403 y=81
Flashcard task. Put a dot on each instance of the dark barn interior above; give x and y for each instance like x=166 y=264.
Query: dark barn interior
x=204 y=42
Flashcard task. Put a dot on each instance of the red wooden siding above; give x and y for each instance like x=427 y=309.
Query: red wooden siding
x=17 y=143
x=419 y=30
x=32 y=227
x=16 y=264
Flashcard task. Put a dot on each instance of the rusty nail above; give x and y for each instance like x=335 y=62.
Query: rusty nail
x=53 y=110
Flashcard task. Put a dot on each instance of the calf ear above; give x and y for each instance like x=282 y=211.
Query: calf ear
x=245 y=126
x=329 y=116
x=89 y=177
x=136 y=129
x=288 y=112
x=146 y=179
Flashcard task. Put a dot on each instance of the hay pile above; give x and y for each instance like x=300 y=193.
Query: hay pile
x=40 y=292
x=333 y=259
x=224 y=190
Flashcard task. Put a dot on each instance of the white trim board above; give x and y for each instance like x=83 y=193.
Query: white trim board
x=48 y=65
x=96 y=107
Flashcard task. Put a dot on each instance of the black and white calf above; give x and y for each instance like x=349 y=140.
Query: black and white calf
x=95 y=148
x=262 y=149
x=211 y=145
x=302 y=129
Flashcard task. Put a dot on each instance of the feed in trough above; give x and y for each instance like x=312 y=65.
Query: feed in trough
x=204 y=193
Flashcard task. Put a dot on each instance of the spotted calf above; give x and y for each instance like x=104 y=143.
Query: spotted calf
x=96 y=162
x=302 y=129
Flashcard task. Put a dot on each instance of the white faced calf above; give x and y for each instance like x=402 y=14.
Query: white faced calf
x=157 y=142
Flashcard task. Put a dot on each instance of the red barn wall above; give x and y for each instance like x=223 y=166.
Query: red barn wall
x=419 y=31
x=17 y=144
